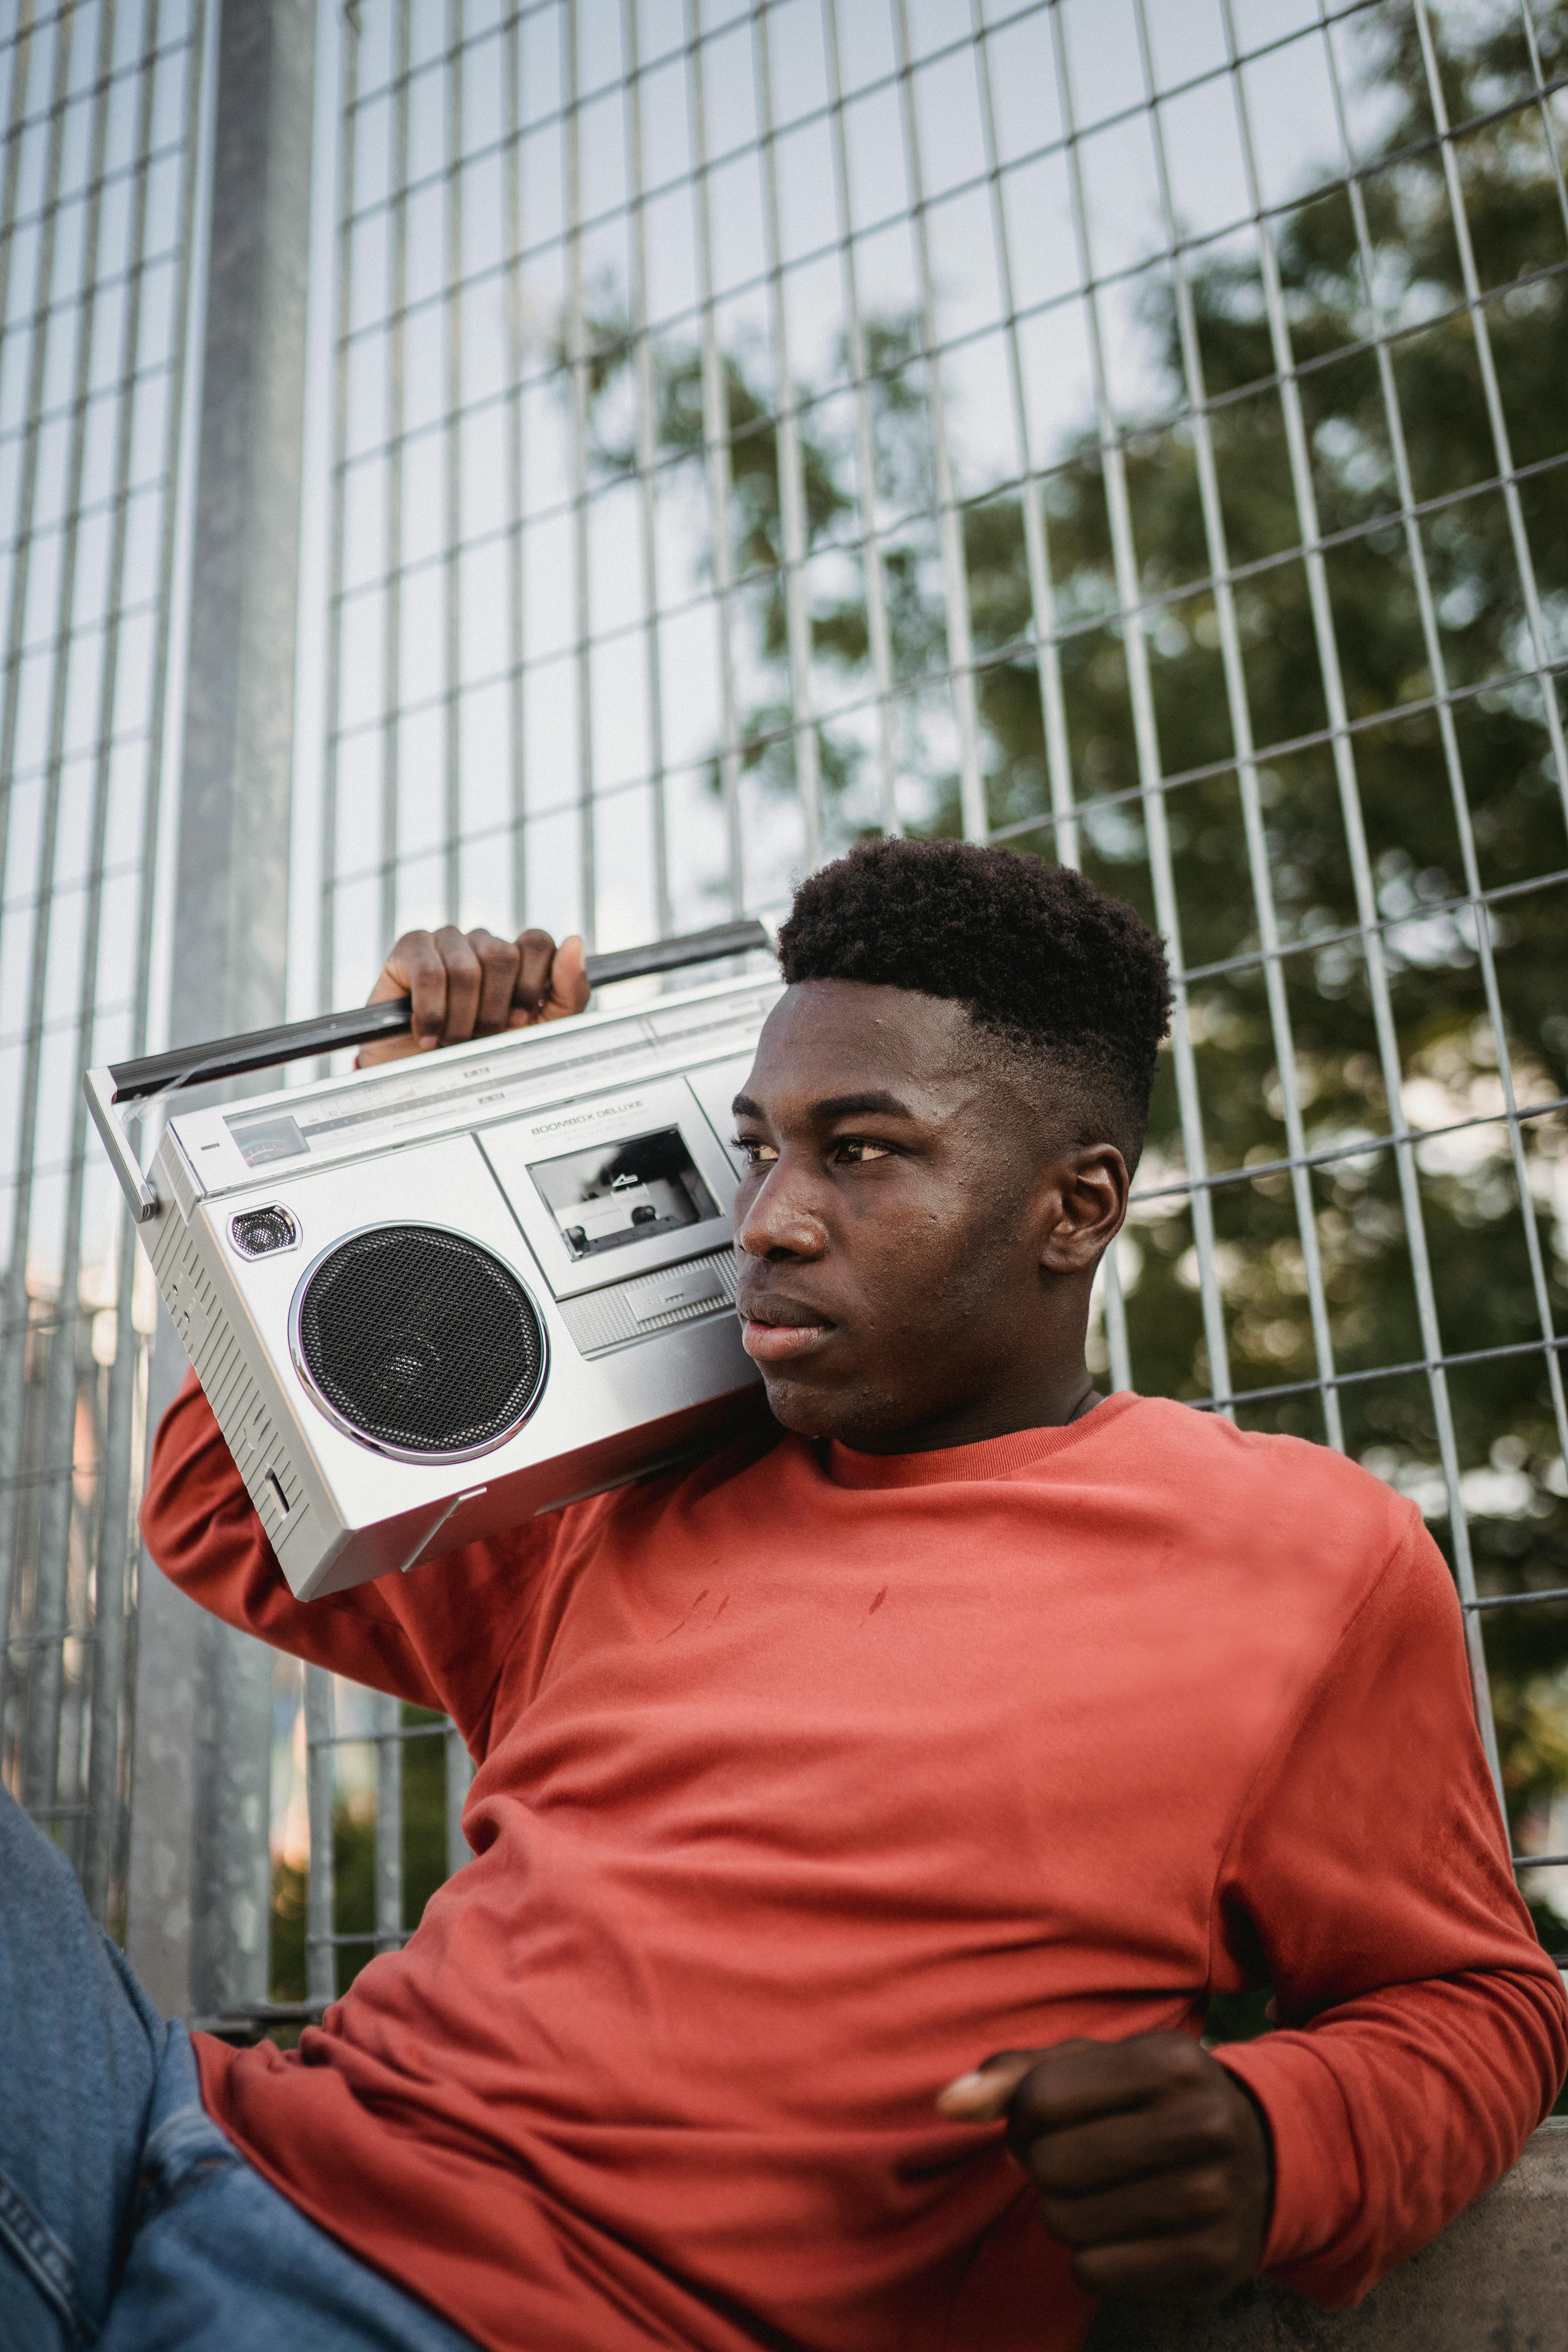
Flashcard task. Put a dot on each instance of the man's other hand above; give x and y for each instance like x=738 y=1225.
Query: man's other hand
x=471 y=984
x=1150 y=2161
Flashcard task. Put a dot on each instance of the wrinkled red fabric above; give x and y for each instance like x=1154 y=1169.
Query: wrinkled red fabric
x=807 y=1780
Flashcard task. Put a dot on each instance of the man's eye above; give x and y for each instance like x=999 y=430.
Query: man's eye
x=758 y=1155
x=857 y=1151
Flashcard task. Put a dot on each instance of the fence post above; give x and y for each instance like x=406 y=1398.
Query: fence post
x=199 y=1891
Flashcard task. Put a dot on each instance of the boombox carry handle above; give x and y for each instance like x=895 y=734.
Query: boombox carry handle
x=328 y=1033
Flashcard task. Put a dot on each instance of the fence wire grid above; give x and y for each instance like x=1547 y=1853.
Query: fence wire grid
x=96 y=201
x=1129 y=430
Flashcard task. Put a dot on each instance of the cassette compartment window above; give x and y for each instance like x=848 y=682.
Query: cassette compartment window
x=613 y=1193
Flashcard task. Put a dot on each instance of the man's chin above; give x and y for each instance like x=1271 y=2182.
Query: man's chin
x=812 y=1409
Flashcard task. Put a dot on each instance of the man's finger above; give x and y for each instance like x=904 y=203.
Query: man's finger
x=535 y=953
x=1072 y=2081
x=415 y=969
x=551 y=981
x=499 y=966
x=1163 y=2205
x=1082 y=2080
x=1196 y=2267
x=464 y=978
x=568 y=982
x=1159 y=2138
x=982 y=2096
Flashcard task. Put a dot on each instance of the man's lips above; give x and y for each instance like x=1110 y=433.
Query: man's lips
x=780 y=1330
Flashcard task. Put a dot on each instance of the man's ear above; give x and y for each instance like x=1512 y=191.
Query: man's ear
x=1083 y=1202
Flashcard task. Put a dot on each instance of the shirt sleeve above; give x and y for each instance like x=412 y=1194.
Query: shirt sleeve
x=438 y=1636
x=1424 y=2032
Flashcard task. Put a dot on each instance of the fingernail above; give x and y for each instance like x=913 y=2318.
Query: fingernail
x=965 y=2087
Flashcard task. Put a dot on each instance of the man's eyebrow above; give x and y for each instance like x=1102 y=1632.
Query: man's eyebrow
x=873 y=1105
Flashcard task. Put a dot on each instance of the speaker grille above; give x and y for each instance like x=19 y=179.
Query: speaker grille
x=421 y=1340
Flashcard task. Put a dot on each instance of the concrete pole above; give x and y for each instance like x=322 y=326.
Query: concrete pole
x=199 y=1892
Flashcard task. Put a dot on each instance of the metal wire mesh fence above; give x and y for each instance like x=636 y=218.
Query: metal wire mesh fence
x=1127 y=430
x=96 y=199
x=1105 y=429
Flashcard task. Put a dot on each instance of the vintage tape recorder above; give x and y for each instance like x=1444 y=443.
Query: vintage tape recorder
x=432 y=1299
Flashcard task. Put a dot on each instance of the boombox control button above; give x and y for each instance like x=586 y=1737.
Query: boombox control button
x=260 y=1233
x=681 y=1290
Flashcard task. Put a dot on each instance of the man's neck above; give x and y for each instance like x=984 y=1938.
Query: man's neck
x=1051 y=1405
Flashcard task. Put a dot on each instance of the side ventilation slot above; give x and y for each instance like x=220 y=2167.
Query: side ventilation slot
x=259 y=1453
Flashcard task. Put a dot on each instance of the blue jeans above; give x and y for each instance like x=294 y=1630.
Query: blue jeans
x=127 y=2219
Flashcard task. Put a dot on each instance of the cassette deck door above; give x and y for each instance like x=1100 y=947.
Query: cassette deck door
x=609 y=1190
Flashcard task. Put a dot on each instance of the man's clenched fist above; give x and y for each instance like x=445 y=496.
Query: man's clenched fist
x=471 y=984
x=1152 y=2162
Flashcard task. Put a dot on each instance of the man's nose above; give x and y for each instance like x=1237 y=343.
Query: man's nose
x=780 y=1220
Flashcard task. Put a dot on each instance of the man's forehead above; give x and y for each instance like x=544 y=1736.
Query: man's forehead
x=840 y=1038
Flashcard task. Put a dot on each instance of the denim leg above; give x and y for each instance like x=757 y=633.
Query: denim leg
x=220 y=2259
x=80 y=2047
x=127 y=2219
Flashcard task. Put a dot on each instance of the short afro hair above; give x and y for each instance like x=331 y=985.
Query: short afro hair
x=1049 y=966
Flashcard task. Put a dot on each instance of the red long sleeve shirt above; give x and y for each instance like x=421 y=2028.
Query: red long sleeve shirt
x=808 y=1779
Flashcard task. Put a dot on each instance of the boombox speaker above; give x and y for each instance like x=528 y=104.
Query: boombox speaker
x=433 y=1298
x=419 y=1341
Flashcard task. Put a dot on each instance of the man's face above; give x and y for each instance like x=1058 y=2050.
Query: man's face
x=891 y=1225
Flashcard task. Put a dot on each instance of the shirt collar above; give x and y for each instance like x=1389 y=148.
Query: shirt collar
x=991 y=1457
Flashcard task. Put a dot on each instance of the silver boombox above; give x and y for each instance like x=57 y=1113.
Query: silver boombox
x=435 y=1297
